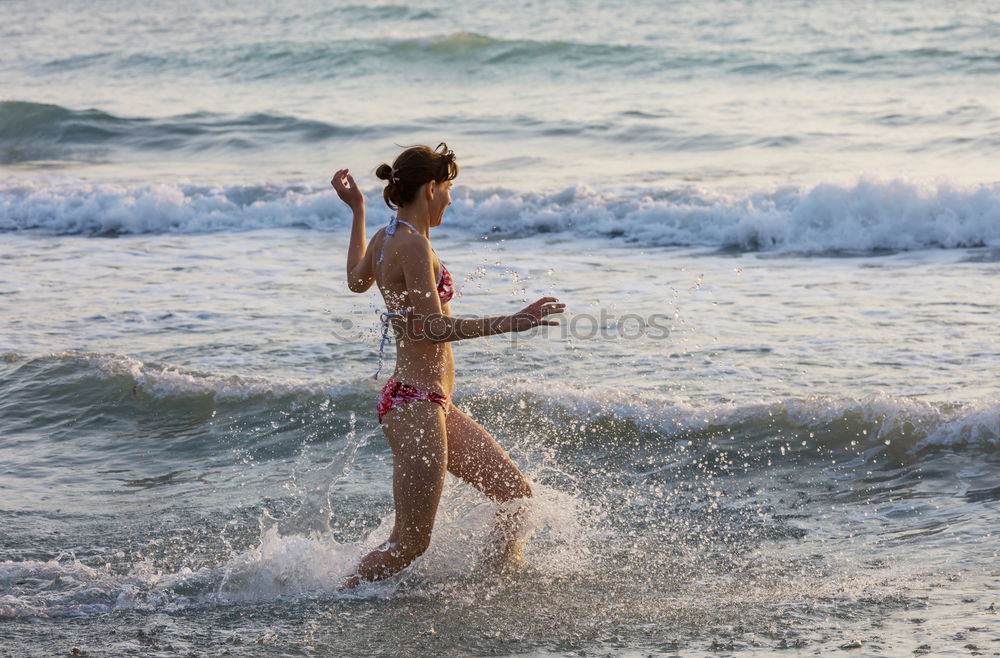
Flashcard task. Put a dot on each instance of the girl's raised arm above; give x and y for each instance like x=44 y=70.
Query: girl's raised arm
x=360 y=274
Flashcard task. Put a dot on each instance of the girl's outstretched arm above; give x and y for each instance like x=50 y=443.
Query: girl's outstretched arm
x=426 y=318
x=360 y=274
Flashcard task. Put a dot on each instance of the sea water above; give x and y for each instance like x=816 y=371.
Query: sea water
x=767 y=423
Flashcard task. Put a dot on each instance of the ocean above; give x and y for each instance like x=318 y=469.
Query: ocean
x=767 y=425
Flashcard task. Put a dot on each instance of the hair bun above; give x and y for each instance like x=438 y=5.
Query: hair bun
x=384 y=172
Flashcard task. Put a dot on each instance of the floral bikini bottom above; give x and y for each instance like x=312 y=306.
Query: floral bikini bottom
x=395 y=394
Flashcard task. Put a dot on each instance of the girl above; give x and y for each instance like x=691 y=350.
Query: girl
x=427 y=433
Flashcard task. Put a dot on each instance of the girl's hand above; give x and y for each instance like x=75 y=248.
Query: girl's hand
x=534 y=314
x=347 y=189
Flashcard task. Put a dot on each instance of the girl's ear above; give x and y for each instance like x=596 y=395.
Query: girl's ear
x=431 y=190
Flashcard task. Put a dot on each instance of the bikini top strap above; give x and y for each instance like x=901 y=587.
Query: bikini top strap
x=403 y=221
x=390 y=229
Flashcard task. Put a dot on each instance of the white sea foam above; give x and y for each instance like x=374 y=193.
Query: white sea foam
x=917 y=424
x=164 y=381
x=975 y=424
x=286 y=565
x=283 y=566
x=869 y=215
x=73 y=578
x=295 y=564
x=67 y=207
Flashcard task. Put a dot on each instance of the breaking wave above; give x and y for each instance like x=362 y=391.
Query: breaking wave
x=868 y=216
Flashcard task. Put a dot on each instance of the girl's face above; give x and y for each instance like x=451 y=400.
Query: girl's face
x=440 y=201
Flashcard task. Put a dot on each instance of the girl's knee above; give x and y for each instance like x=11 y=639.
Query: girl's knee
x=515 y=489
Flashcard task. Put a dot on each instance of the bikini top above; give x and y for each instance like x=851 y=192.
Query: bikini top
x=445 y=286
x=445 y=291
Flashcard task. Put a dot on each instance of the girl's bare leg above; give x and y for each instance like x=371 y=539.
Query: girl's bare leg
x=476 y=457
x=416 y=433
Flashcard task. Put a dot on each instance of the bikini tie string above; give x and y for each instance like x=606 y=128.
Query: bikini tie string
x=385 y=317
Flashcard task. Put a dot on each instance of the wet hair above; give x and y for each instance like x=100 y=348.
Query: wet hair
x=414 y=167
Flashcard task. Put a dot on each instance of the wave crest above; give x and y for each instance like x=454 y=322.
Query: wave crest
x=869 y=216
x=911 y=426
x=908 y=426
x=39 y=131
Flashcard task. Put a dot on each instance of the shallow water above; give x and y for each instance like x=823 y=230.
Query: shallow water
x=198 y=447
x=768 y=424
